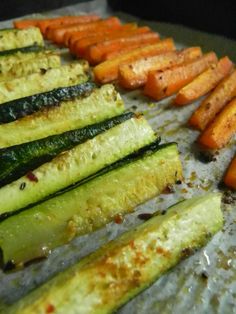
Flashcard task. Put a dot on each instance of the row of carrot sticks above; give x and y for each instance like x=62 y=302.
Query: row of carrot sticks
x=136 y=57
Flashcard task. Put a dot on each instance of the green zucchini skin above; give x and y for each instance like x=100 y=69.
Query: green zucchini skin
x=107 y=279
x=89 y=205
x=28 y=49
x=76 y=164
x=18 y=108
x=15 y=161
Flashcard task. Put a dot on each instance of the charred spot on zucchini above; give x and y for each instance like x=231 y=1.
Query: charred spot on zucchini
x=18 y=108
x=88 y=205
x=17 y=160
x=78 y=163
x=124 y=267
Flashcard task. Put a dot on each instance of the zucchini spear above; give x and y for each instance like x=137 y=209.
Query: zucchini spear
x=34 y=65
x=105 y=280
x=101 y=104
x=9 y=58
x=18 y=108
x=65 y=75
x=116 y=189
x=76 y=164
x=17 y=160
x=12 y=38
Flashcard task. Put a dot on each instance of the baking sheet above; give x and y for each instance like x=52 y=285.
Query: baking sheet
x=205 y=282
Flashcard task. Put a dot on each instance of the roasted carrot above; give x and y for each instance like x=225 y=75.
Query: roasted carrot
x=94 y=54
x=205 y=82
x=107 y=71
x=57 y=35
x=115 y=54
x=134 y=75
x=230 y=176
x=49 y=27
x=210 y=106
x=161 y=84
x=222 y=128
x=101 y=33
x=83 y=44
x=20 y=24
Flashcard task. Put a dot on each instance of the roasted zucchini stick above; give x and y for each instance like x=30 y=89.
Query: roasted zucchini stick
x=35 y=83
x=101 y=104
x=18 y=160
x=117 y=189
x=9 y=58
x=117 y=272
x=35 y=65
x=15 y=38
x=18 y=108
x=76 y=164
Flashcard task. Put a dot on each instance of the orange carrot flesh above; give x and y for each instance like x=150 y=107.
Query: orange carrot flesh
x=230 y=176
x=223 y=127
x=107 y=71
x=205 y=82
x=210 y=106
x=100 y=34
x=82 y=45
x=57 y=35
x=95 y=53
x=134 y=75
x=115 y=54
x=49 y=27
x=161 y=84
x=21 y=24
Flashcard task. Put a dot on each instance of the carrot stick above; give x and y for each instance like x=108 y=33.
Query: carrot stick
x=71 y=38
x=223 y=127
x=205 y=82
x=20 y=24
x=107 y=71
x=57 y=35
x=161 y=84
x=94 y=54
x=210 y=106
x=83 y=44
x=134 y=75
x=115 y=54
x=49 y=27
x=230 y=177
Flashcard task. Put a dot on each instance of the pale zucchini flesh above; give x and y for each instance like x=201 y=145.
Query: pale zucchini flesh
x=25 y=236
x=117 y=272
x=10 y=58
x=16 y=38
x=77 y=164
x=65 y=75
x=101 y=104
x=34 y=65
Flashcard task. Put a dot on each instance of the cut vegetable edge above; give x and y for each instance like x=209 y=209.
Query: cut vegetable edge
x=127 y=265
x=143 y=174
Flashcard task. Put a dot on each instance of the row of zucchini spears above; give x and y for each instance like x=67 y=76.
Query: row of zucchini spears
x=71 y=158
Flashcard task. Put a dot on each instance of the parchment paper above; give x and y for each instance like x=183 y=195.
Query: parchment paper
x=205 y=282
